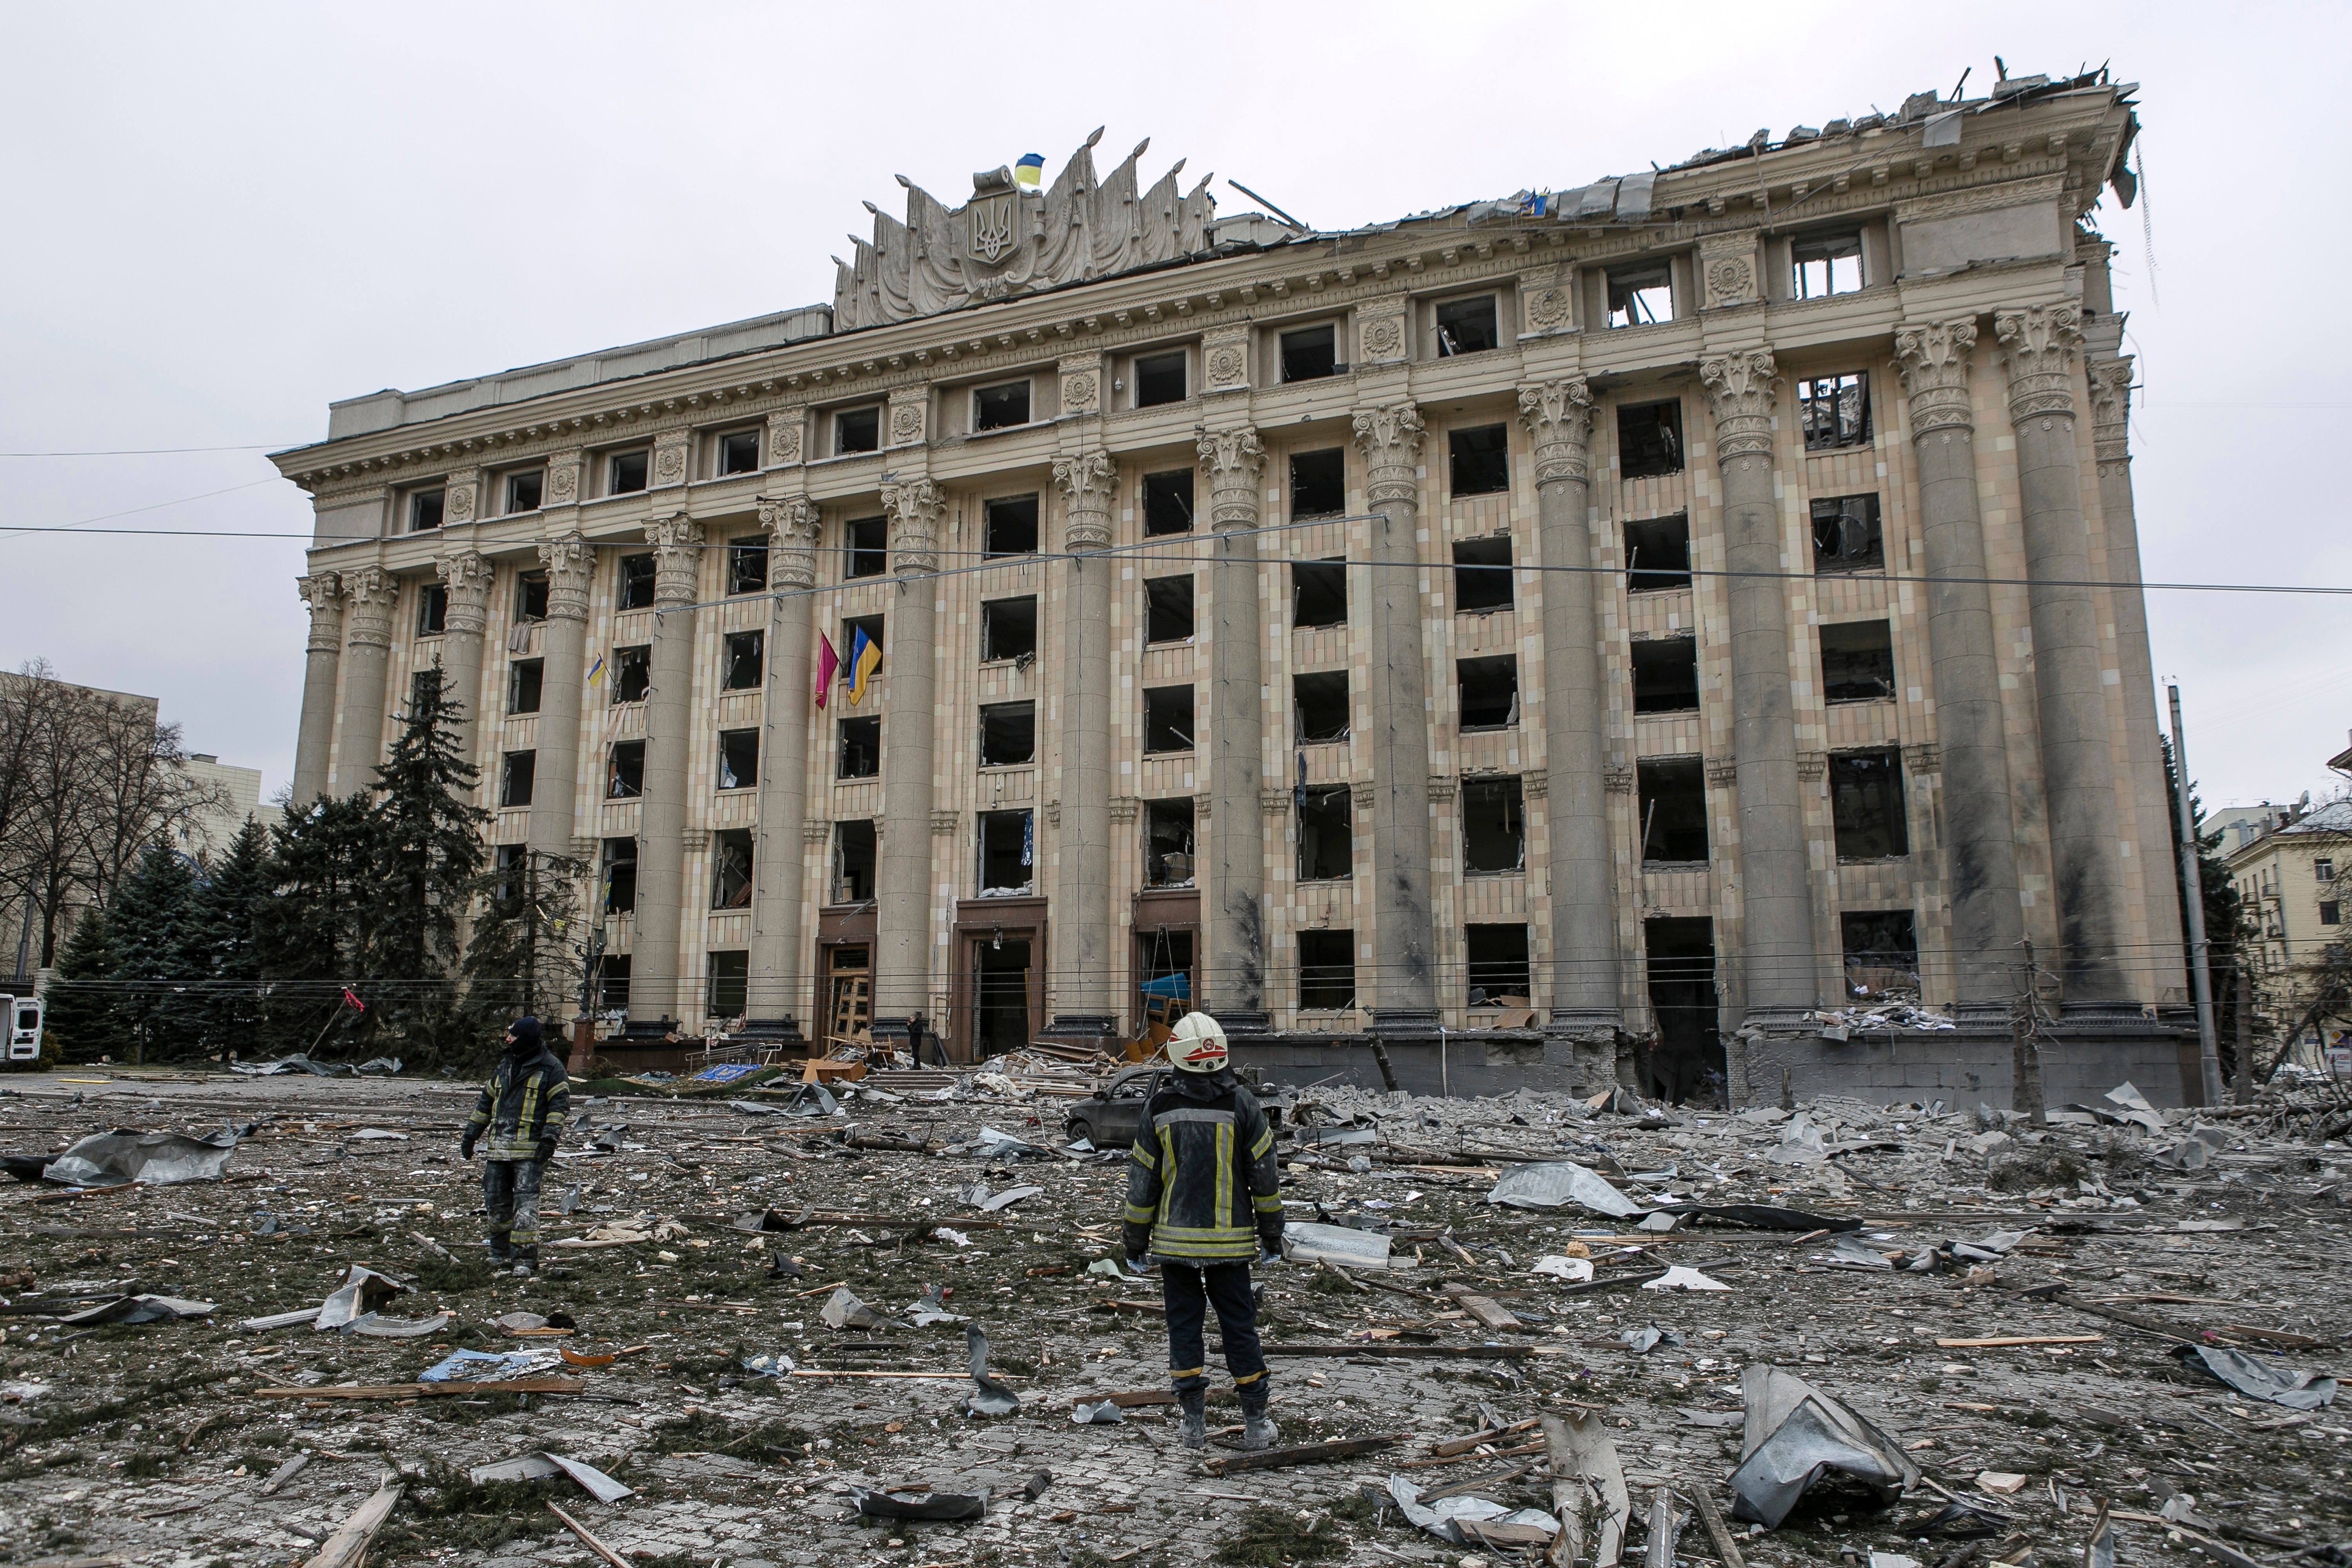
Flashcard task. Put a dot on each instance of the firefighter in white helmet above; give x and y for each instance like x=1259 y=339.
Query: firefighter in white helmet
x=1202 y=1200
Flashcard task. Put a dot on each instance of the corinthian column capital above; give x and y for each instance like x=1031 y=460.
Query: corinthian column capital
x=322 y=591
x=678 y=558
x=2038 y=346
x=1933 y=361
x=373 y=592
x=570 y=562
x=1557 y=416
x=467 y=574
x=1234 y=461
x=1390 y=439
x=1742 y=388
x=792 y=525
x=914 y=508
x=2111 y=410
x=1086 y=482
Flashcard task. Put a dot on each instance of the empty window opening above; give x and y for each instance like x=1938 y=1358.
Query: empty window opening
x=620 y=881
x=998 y=407
x=1650 y=439
x=745 y=663
x=1857 y=661
x=433 y=610
x=633 y=673
x=523 y=490
x=1866 y=804
x=1168 y=843
x=1490 y=691
x=1008 y=629
x=1327 y=835
x=516 y=772
x=1310 y=354
x=1319 y=593
x=1688 y=1058
x=1481 y=459
x=1318 y=483
x=1008 y=734
x=422 y=684
x=1168 y=502
x=1008 y=851
x=1834 y=411
x=867 y=543
x=505 y=859
x=855 y=847
x=1846 y=536
x=1657 y=555
x=1494 y=827
x=1826 y=264
x=1666 y=675
x=1168 y=719
x=738 y=759
x=1158 y=378
x=637 y=582
x=1327 y=970
x=525 y=680
x=426 y=510
x=624 y=778
x=730 y=992
x=1882 y=952
x=624 y=473
x=738 y=452
x=1672 y=803
x=1013 y=526
x=1320 y=701
x=1498 y=974
x=613 y=983
x=1168 y=609
x=1466 y=326
x=1640 y=296
x=1482 y=573
x=847 y=652
x=531 y=596
x=857 y=430
x=747 y=565
x=861 y=749
x=730 y=868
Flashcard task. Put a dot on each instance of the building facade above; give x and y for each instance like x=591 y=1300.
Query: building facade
x=1623 y=612
x=2292 y=877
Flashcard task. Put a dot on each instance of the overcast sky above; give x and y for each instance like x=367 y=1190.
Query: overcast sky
x=227 y=217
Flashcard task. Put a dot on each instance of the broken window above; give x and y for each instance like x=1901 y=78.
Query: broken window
x=861 y=749
x=1834 y=411
x=1158 y=378
x=1498 y=965
x=624 y=778
x=1326 y=969
x=505 y=859
x=730 y=868
x=1640 y=296
x=1168 y=719
x=613 y=983
x=1650 y=439
x=1482 y=573
x=1494 y=827
x=857 y=430
x=1846 y=535
x=1008 y=734
x=854 y=850
x=1310 y=354
x=866 y=541
x=525 y=678
x=1327 y=835
x=1008 y=629
x=1168 y=502
x=1826 y=264
x=531 y=596
x=523 y=490
x=1318 y=483
x=1857 y=661
x=1866 y=804
x=433 y=609
x=1672 y=803
x=1168 y=609
x=633 y=673
x=620 y=875
x=1666 y=675
x=747 y=565
x=1882 y=952
x=731 y=985
x=1657 y=555
x=738 y=759
x=516 y=772
x=1168 y=843
x=426 y=510
x=624 y=473
x=744 y=670
x=1008 y=851
x=1321 y=703
x=999 y=407
x=1319 y=593
x=1490 y=691
x=850 y=627
x=739 y=453
x=1466 y=326
x=637 y=582
x=1481 y=459
x=1013 y=526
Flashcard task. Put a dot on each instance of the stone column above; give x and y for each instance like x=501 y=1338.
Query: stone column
x=1085 y=977
x=655 y=983
x=2039 y=348
x=367 y=666
x=902 y=947
x=322 y=591
x=778 y=983
x=1779 y=979
x=1973 y=754
x=466 y=576
x=1403 y=986
x=2151 y=806
x=1580 y=873
x=1232 y=904
x=570 y=564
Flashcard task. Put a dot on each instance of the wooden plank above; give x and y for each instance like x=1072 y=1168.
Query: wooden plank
x=2003 y=1342
x=1408 y=1352
x=1283 y=1458
x=1464 y=1445
x=347 y=1548
x=588 y=1540
x=1534 y=1447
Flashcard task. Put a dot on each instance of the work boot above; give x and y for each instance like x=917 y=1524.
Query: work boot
x=526 y=1261
x=1195 y=1402
x=1257 y=1426
x=500 y=1253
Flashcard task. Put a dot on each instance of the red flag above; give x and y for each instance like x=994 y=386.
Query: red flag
x=353 y=1000
x=828 y=663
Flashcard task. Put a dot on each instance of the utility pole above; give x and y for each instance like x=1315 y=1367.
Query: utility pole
x=2028 y=1022
x=2208 y=1049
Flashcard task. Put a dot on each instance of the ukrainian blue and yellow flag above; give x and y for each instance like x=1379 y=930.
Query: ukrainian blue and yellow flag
x=1029 y=172
x=596 y=671
x=865 y=658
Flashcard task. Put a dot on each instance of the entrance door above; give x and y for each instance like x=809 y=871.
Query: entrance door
x=999 y=974
x=849 y=997
x=1688 y=1058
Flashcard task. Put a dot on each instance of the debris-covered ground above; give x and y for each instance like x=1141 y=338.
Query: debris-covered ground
x=1998 y=1312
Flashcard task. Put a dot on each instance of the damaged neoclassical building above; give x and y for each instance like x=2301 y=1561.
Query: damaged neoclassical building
x=1569 y=640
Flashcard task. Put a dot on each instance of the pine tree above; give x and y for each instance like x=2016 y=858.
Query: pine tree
x=160 y=961
x=430 y=849
x=81 y=1020
x=517 y=956
x=313 y=925
x=227 y=917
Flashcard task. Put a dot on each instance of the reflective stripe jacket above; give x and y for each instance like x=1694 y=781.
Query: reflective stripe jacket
x=523 y=1102
x=1200 y=1180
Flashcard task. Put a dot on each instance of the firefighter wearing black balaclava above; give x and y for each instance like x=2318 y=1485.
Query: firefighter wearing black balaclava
x=522 y=1112
x=1202 y=1202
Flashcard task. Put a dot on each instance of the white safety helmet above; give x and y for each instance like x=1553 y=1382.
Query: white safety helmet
x=1197 y=1044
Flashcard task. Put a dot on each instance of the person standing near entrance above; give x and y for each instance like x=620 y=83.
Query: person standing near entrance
x=1202 y=1200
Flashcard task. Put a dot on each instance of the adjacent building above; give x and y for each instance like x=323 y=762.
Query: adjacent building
x=2291 y=878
